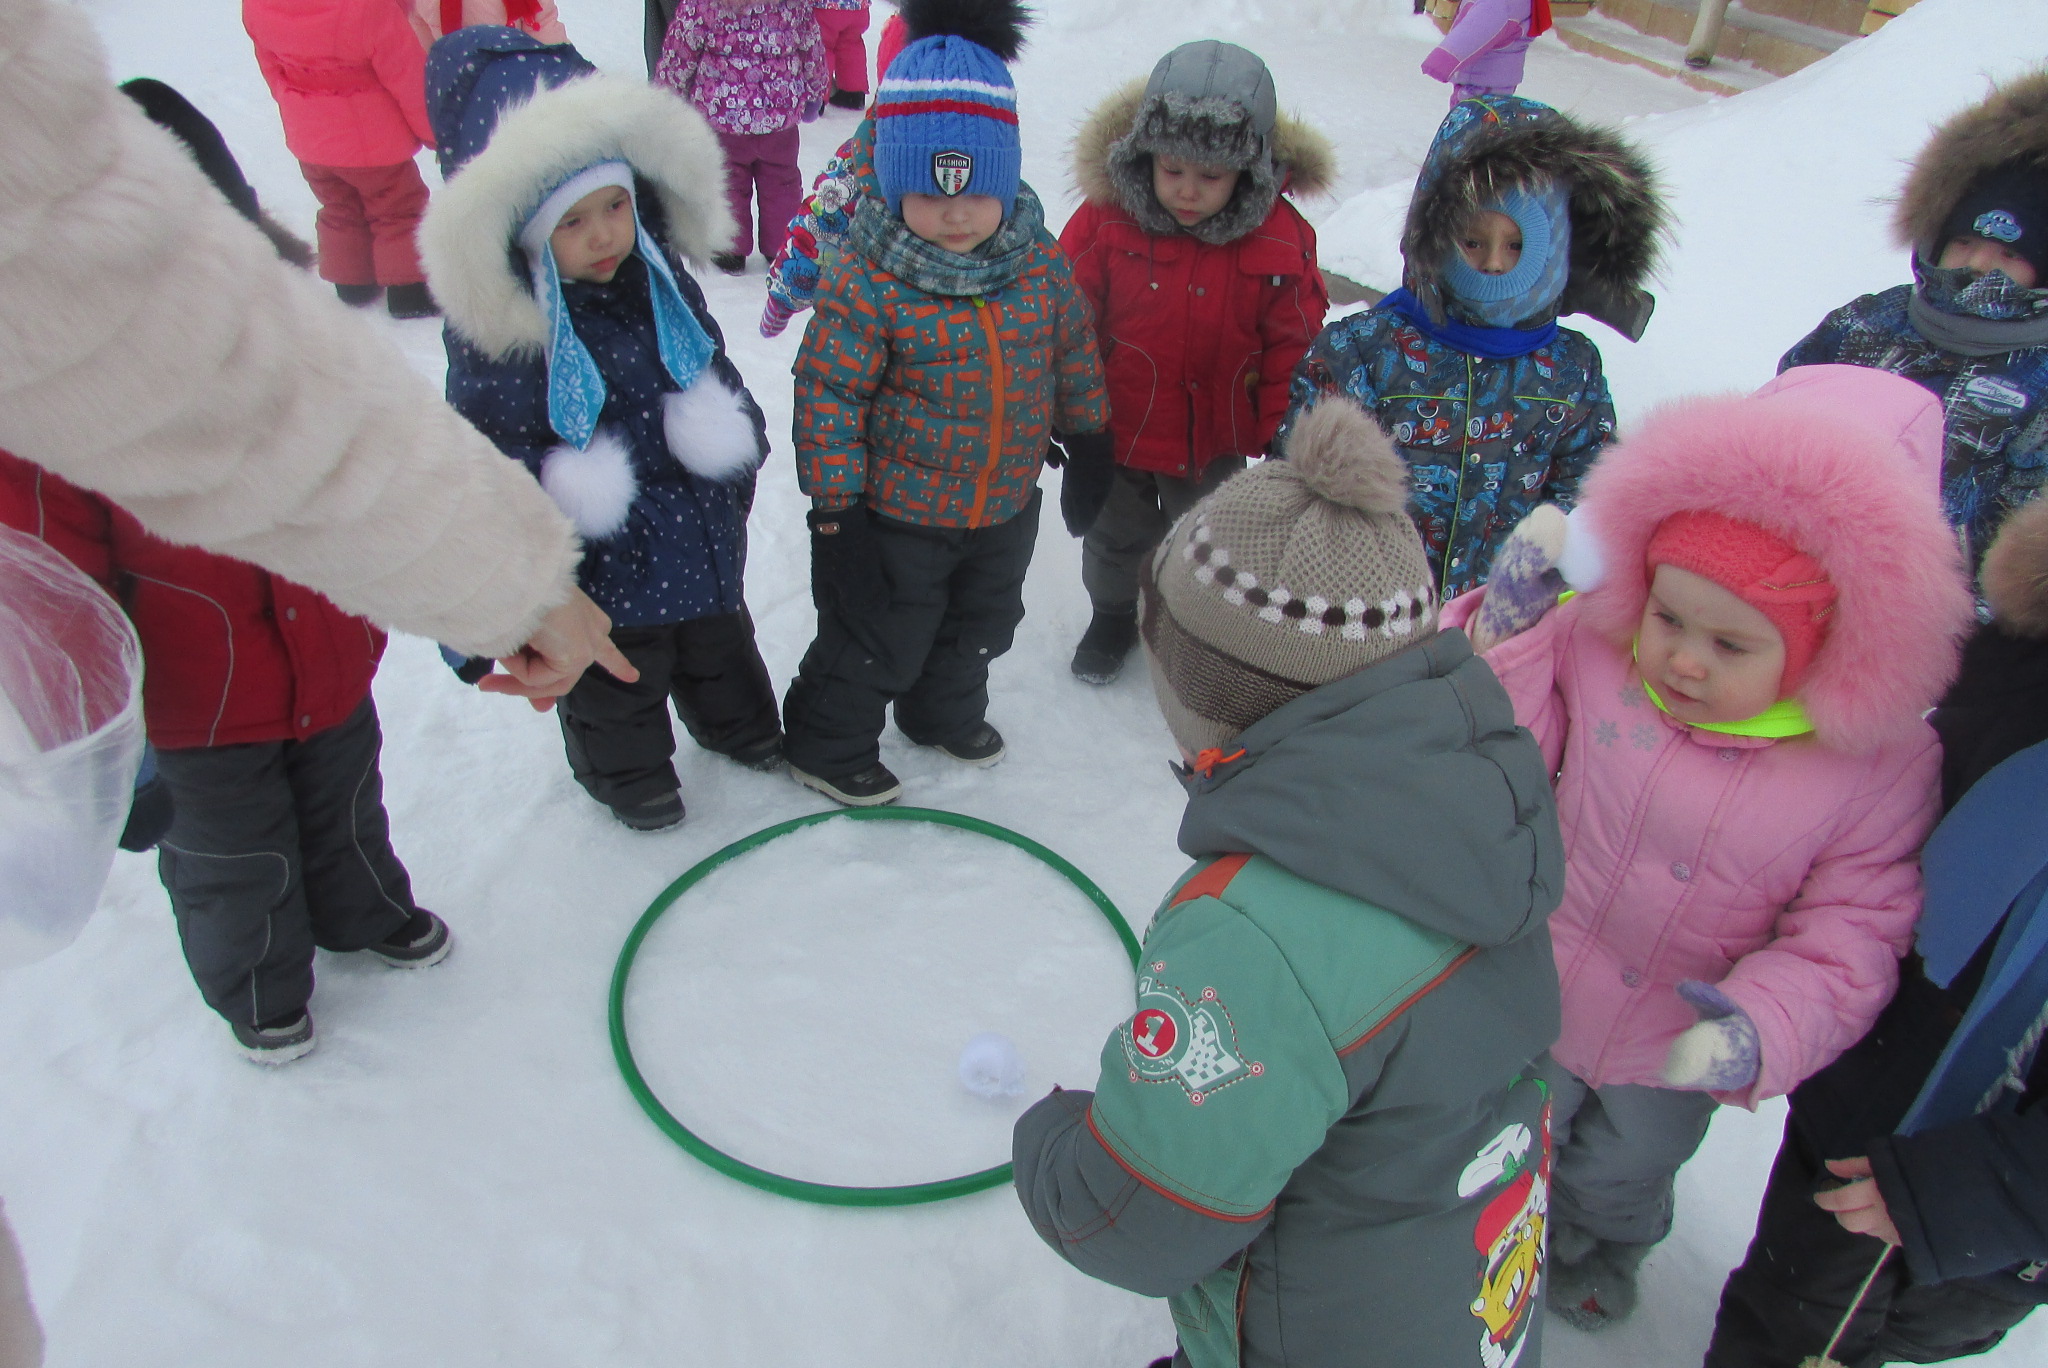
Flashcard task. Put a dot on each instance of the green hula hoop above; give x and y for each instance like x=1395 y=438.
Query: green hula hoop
x=826 y=1194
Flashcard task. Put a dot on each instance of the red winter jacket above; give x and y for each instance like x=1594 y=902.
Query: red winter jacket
x=1198 y=341
x=231 y=653
x=349 y=77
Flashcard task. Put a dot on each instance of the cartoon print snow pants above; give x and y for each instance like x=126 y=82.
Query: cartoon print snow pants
x=842 y=29
x=368 y=216
x=762 y=167
x=618 y=736
x=956 y=595
x=1142 y=507
x=1801 y=1273
x=279 y=846
x=1618 y=1149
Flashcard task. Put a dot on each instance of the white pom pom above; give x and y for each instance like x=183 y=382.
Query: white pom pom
x=1582 y=563
x=991 y=1068
x=594 y=487
x=710 y=431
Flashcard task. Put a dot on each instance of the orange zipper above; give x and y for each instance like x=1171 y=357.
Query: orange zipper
x=999 y=381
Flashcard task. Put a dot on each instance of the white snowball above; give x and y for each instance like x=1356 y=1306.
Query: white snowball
x=990 y=1067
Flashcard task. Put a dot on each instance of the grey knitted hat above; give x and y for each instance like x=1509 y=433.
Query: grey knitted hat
x=1291 y=575
x=1209 y=102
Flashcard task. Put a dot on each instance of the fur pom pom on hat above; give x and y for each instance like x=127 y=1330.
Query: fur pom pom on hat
x=1292 y=575
x=997 y=25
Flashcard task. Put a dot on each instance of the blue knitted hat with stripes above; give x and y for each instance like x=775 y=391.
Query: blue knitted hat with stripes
x=946 y=124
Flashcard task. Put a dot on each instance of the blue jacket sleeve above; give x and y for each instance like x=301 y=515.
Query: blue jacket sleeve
x=1969 y=1198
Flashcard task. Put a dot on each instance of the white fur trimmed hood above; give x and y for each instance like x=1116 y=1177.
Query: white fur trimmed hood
x=467 y=237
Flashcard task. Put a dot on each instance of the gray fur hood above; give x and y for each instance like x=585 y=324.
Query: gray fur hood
x=468 y=237
x=2009 y=124
x=1406 y=785
x=1302 y=162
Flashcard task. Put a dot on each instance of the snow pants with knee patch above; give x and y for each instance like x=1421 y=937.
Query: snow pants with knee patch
x=1783 y=1302
x=1618 y=1151
x=618 y=736
x=956 y=595
x=278 y=847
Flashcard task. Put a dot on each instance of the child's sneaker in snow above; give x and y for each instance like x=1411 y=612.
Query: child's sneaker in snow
x=658 y=813
x=411 y=301
x=980 y=748
x=280 y=1042
x=872 y=787
x=1598 y=1291
x=423 y=940
x=1109 y=638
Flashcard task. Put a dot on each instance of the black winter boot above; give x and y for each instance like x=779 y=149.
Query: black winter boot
x=411 y=301
x=358 y=296
x=1109 y=638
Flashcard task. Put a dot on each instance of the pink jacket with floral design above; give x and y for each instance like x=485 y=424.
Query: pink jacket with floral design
x=1785 y=871
x=750 y=66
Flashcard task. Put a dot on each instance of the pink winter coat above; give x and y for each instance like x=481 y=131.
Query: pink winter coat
x=349 y=77
x=750 y=66
x=1785 y=871
x=435 y=19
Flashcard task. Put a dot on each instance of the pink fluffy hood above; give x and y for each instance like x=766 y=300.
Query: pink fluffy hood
x=1844 y=463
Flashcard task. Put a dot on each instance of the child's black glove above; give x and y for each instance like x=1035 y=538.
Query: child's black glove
x=846 y=561
x=149 y=815
x=1084 y=487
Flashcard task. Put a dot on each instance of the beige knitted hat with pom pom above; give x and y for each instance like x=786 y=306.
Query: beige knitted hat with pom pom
x=1291 y=575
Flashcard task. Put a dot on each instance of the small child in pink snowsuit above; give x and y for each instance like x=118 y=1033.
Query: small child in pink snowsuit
x=1483 y=52
x=755 y=69
x=349 y=77
x=1733 y=712
x=842 y=22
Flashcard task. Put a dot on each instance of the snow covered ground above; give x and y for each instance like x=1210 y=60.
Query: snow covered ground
x=458 y=1178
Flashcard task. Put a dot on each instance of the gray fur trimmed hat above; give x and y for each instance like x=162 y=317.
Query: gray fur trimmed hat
x=1210 y=102
x=1292 y=575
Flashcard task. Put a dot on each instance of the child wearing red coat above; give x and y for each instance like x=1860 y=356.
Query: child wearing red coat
x=1206 y=293
x=349 y=77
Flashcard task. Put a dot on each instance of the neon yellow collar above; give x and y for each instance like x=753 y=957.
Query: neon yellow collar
x=1786 y=717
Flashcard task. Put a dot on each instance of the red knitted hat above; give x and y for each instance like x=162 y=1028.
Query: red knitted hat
x=1759 y=567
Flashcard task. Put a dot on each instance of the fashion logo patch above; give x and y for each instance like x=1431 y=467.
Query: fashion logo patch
x=1998 y=225
x=1192 y=1043
x=952 y=171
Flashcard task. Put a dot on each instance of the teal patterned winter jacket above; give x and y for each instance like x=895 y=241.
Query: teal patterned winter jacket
x=1486 y=440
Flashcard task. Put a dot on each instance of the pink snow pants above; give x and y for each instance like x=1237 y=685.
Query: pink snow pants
x=367 y=218
x=763 y=167
x=843 y=47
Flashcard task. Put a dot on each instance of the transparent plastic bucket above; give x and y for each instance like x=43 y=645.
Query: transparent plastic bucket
x=70 y=741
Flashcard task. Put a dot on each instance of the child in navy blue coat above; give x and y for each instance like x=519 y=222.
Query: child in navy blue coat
x=579 y=344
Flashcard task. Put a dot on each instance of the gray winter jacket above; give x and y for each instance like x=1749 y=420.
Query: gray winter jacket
x=1317 y=1134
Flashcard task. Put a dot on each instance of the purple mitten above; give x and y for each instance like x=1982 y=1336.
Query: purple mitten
x=1523 y=583
x=1720 y=1053
x=1439 y=65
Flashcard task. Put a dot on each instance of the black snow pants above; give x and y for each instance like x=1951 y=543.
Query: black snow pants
x=279 y=846
x=956 y=595
x=618 y=736
x=1801 y=1274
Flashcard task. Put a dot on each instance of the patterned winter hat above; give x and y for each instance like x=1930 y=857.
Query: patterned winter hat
x=2007 y=205
x=946 y=124
x=1291 y=575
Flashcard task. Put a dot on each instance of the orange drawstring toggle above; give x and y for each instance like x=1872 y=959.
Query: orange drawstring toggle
x=1207 y=761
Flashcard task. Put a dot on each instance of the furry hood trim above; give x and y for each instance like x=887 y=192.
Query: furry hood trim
x=1839 y=465
x=1303 y=162
x=2015 y=572
x=468 y=238
x=1496 y=143
x=2009 y=124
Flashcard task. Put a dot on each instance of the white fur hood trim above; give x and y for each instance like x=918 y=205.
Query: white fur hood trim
x=710 y=430
x=467 y=236
x=595 y=486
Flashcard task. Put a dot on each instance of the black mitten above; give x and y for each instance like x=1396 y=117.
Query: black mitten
x=846 y=561
x=1084 y=487
x=149 y=815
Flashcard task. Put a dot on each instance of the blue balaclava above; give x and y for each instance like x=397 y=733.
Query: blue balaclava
x=1532 y=289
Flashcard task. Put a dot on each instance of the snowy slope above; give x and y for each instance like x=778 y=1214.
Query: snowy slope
x=457 y=1177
